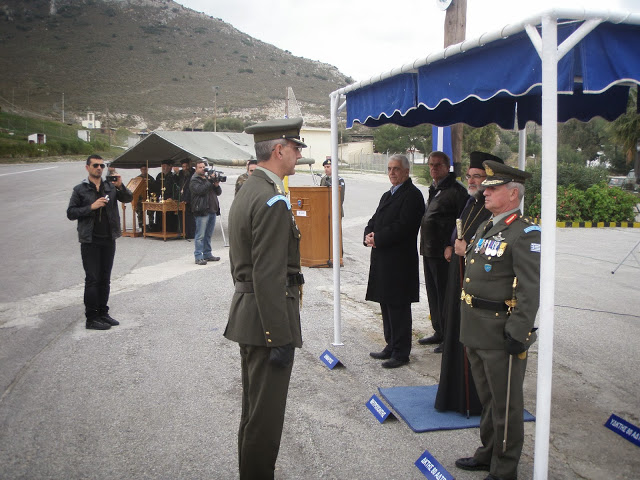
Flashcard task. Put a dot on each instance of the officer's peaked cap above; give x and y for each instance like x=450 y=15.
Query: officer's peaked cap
x=287 y=128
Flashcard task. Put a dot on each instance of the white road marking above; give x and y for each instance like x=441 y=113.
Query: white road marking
x=26 y=171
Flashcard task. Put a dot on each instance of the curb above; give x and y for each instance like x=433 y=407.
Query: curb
x=593 y=224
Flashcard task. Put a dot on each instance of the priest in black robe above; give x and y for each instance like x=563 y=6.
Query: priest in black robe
x=457 y=391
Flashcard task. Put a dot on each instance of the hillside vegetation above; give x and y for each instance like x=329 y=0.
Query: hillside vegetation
x=150 y=63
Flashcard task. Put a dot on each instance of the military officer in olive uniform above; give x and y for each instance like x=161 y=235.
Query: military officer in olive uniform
x=264 y=317
x=325 y=181
x=499 y=302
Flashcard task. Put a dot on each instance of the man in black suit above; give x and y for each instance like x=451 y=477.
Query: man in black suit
x=394 y=282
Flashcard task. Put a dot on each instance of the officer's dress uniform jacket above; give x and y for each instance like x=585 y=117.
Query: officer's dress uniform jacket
x=264 y=256
x=510 y=248
x=265 y=252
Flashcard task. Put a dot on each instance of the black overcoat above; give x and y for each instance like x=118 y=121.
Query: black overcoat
x=393 y=272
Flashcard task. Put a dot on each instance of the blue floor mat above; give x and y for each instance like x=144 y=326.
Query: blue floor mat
x=415 y=406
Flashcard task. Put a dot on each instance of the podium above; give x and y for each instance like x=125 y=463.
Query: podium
x=138 y=187
x=311 y=207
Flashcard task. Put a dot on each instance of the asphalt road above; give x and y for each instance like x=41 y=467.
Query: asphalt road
x=159 y=396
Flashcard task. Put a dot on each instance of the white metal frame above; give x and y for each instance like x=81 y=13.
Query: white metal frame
x=550 y=53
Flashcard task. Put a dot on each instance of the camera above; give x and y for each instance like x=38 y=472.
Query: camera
x=112 y=178
x=214 y=175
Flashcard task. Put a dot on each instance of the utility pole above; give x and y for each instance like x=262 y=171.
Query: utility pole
x=62 y=107
x=455 y=25
x=215 y=108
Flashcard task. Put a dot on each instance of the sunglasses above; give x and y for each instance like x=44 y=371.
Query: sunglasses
x=98 y=165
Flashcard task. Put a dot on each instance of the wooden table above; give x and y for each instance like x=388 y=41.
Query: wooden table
x=164 y=207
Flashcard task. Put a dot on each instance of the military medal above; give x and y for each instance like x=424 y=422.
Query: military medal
x=503 y=247
x=499 y=237
x=484 y=246
x=480 y=242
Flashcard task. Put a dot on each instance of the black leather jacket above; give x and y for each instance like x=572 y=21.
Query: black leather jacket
x=84 y=194
x=204 y=196
x=445 y=203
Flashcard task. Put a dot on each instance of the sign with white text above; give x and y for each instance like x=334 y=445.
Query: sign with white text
x=624 y=429
x=330 y=360
x=379 y=409
x=431 y=468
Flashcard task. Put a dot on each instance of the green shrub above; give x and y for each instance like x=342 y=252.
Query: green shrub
x=598 y=203
x=605 y=204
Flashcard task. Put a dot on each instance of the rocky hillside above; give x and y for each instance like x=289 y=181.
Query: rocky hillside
x=148 y=63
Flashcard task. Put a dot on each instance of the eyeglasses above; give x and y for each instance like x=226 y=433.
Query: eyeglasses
x=98 y=165
x=475 y=176
x=295 y=147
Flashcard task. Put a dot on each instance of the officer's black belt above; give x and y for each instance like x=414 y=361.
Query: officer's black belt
x=292 y=280
x=483 y=303
x=295 y=279
x=244 y=287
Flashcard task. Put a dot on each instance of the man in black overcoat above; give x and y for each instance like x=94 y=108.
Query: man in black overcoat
x=392 y=234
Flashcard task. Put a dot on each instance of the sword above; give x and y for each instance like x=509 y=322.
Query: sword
x=506 y=415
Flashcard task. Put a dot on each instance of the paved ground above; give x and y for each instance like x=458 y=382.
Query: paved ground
x=159 y=396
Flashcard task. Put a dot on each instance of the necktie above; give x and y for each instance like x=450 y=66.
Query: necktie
x=487 y=227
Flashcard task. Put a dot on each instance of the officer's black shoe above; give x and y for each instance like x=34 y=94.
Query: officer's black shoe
x=432 y=340
x=470 y=463
x=438 y=349
x=108 y=319
x=97 y=324
x=380 y=355
x=394 y=363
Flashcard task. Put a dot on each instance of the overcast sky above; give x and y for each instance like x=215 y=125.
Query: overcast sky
x=366 y=37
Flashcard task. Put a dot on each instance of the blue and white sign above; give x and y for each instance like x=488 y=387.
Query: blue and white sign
x=431 y=468
x=624 y=429
x=379 y=409
x=330 y=360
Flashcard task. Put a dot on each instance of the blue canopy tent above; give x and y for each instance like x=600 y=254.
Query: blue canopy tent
x=548 y=68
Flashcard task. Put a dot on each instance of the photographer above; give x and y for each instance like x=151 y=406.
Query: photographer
x=205 y=188
x=93 y=204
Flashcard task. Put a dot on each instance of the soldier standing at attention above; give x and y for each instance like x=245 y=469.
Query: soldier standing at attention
x=499 y=302
x=325 y=181
x=264 y=317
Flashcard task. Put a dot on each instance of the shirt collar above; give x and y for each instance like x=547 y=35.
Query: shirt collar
x=276 y=179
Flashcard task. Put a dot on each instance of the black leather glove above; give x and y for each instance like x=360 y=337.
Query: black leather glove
x=282 y=357
x=513 y=346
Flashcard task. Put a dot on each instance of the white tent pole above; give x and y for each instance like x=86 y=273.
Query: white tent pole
x=440 y=140
x=547 y=260
x=522 y=155
x=335 y=221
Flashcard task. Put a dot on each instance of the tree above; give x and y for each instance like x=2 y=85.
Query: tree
x=482 y=139
x=625 y=130
x=586 y=139
x=394 y=139
x=224 y=124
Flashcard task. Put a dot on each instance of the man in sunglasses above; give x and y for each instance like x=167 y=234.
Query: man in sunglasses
x=93 y=203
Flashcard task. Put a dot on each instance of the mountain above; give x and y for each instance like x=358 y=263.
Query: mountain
x=148 y=64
